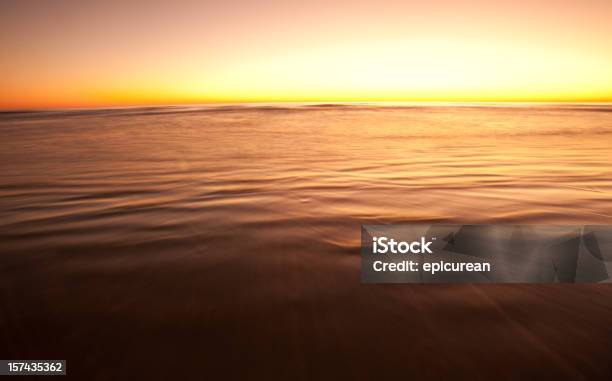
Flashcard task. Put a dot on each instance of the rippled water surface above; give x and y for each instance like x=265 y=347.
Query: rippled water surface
x=233 y=228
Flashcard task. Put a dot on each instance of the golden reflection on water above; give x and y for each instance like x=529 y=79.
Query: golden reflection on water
x=173 y=172
x=227 y=232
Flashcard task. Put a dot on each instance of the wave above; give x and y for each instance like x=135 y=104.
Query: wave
x=299 y=107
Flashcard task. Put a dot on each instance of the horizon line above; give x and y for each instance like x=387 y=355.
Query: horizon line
x=234 y=102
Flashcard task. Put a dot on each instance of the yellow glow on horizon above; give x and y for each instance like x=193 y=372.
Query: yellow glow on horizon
x=555 y=50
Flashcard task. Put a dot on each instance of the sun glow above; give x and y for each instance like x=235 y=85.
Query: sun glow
x=555 y=50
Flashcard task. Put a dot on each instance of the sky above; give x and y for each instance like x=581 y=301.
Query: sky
x=103 y=53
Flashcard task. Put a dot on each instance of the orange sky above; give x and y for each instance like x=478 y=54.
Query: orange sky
x=99 y=53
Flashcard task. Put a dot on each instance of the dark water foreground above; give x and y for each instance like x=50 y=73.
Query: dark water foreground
x=222 y=242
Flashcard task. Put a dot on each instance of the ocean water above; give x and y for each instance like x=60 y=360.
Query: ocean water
x=224 y=238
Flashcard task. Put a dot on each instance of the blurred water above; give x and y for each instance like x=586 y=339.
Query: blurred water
x=192 y=221
x=312 y=171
